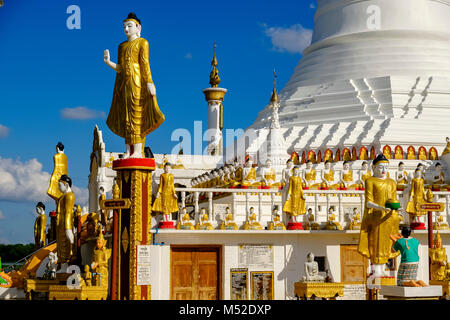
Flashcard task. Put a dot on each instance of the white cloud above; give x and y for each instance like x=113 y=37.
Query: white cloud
x=4 y=131
x=2 y=216
x=293 y=39
x=26 y=181
x=81 y=113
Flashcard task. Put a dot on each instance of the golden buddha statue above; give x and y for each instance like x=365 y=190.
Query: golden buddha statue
x=295 y=200
x=134 y=110
x=331 y=223
x=355 y=223
x=328 y=177
x=249 y=175
x=422 y=153
x=311 y=224
x=438 y=259
x=100 y=260
x=60 y=167
x=364 y=174
x=276 y=223
x=309 y=176
x=229 y=223
x=252 y=222
x=380 y=220
x=417 y=195
x=237 y=176
x=433 y=154
x=363 y=155
x=438 y=177
x=398 y=154
x=178 y=164
x=269 y=176
x=347 y=181
x=447 y=272
x=40 y=239
x=164 y=161
x=411 y=155
x=166 y=197
x=447 y=148
x=401 y=176
x=185 y=222
x=64 y=221
x=328 y=155
x=87 y=277
x=204 y=223
x=387 y=152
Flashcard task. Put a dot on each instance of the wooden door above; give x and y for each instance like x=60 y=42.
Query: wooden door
x=353 y=265
x=195 y=273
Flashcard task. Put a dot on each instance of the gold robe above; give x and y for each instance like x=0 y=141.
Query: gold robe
x=101 y=257
x=64 y=221
x=404 y=180
x=377 y=225
x=310 y=176
x=366 y=176
x=166 y=202
x=418 y=196
x=295 y=205
x=60 y=167
x=270 y=175
x=134 y=112
x=39 y=231
x=329 y=176
x=437 y=256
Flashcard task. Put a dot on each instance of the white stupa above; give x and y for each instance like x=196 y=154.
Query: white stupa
x=376 y=74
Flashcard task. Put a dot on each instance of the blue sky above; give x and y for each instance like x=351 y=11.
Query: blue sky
x=54 y=85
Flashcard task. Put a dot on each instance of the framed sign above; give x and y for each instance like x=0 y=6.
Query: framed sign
x=239 y=284
x=143 y=265
x=256 y=256
x=261 y=285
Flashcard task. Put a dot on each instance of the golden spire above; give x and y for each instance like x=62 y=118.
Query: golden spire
x=274 y=98
x=214 y=79
x=437 y=238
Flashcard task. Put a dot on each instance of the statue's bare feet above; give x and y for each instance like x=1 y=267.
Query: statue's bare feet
x=422 y=284
x=136 y=155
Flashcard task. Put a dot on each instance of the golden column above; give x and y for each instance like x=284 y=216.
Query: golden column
x=133 y=225
x=214 y=96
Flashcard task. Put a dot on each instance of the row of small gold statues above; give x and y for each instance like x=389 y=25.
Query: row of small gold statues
x=233 y=175
x=252 y=222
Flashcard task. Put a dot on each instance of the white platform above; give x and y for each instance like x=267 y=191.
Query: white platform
x=411 y=292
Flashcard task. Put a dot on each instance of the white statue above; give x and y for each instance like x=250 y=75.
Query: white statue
x=438 y=177
x=51 y=266
x=312 y=270
x=401 y=175
x=268 y=174
x=346 y=176
x=285 y=176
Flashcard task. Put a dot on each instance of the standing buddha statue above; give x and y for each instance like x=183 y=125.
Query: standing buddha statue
x=295 y=200
x=60 y=167
x=39 y=226
x=364 y=174
x=64 y=222
x=166 y=197
x=417 y=196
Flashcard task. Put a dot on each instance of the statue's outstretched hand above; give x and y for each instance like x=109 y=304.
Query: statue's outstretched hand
x=69 y=235
x=151 y=88
x=106 y=56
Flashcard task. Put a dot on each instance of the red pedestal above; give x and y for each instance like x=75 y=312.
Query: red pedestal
x=305 y=188
x=166 y=225
x=418 y=226
x=134 y=163
x=342 y=188
x=295 y=226
x=323 y=188
x=243 y=187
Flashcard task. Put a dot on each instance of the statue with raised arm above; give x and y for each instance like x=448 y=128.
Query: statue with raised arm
x=380 y=220
x=134 y=110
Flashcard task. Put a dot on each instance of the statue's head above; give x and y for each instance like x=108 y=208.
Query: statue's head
x=346 y=165
x=437 y=241
x=310 y=257
x=417 y=173
x=401 y=166
x=355 y=210
x=252 y=210
x=227 y=210
x=308 y=164
x=421 y=167
x=167 y=167
x=380 y=164
x=289 y=163
x=65 y=183
x=309 y=210
x=365 y=165
x=296 y=171
x=40 y=208
x=86 y=268
x=268 y=163
x=438 y=167
x=327 y=164
x=132 y=25
x=59 y=147
x=249 y=163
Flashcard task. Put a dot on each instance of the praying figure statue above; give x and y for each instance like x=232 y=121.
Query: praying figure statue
x=166 y=197
x=60 y=167
x=134 y=111
x=311 y=224
x=39 y=226
x=312 y=270
x=309 y=176
x=380 y=219
x=347 y=177
x=401 y=176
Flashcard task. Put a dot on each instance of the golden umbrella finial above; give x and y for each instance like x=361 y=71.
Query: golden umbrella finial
x=274 y=98
x=214 y=78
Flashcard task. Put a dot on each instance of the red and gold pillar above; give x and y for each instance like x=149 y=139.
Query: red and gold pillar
x=134 y=178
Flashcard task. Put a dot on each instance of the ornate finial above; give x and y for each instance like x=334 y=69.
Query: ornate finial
x=274 y=99
x=116 y=191
x=437 y=238
x=214 y=79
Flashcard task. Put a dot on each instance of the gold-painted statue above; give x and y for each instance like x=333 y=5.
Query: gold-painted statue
x=204 y=221
x=380 y=220
x=364 y=174
x=100 y=260
x=249 y=175
x=134 y=110
x=311 y=224
x=166 y=197
x=60 y=167
x=229 y=223
x=269 y=176
x=447 y=148
x=402 y=176
x=185 y=222
x=331 y=223
x=295 y=200
x=347 y=181
x=328 y=177
x=309 y=176
x=276 y=223
x=40 y=223
x=355 y=223
x=252 y=222
x=417 y=196
x=87 y=276
x=438 y=259
x=64 y=221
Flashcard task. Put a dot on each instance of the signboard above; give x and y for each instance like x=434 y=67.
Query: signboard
x=239 y=284
x=261 y=285
x=437 y=206
x=256 y=256
x=143 y=265
x=115 y=204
